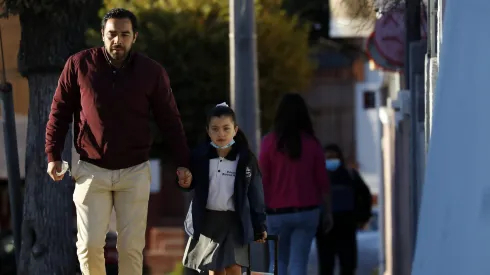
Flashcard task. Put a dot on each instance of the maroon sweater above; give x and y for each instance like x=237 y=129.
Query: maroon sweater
x=111 y=111
x=293 y=183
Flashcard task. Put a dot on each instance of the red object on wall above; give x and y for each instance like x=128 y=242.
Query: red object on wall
x=388 y=39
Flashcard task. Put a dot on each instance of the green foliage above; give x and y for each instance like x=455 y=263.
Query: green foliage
x=190 y=39
x=178 y=270
x=37 y=6
x=315 y=11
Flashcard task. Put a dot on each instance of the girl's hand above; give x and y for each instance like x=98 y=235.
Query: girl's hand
x=185 y=177
x=263 y=239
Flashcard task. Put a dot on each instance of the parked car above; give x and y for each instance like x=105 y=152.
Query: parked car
x=110 y=253
x=368 y=246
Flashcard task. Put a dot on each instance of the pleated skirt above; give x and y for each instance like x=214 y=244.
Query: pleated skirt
x=218 y=245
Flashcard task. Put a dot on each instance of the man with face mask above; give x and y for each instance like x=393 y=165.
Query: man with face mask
x=351 y=209
x=109 y=92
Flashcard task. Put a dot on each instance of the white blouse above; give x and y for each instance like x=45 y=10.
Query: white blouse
x=222 y=173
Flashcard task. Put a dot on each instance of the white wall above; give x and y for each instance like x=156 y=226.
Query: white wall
x=454 y=224
x=368 y=131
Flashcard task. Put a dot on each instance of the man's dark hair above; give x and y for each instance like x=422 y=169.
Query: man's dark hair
x=119 y=13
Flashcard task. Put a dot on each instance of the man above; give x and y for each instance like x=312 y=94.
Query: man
x=109 y=92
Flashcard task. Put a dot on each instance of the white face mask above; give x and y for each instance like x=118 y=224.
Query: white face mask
x=223 y=147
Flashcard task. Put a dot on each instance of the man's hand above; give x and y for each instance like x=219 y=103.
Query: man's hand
x=185 y=177
x=53 y=167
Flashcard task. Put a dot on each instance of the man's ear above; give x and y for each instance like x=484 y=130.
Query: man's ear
x=102 y=34
x=135 y=36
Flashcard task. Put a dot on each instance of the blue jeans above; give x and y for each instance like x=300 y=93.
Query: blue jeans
x=296 y=232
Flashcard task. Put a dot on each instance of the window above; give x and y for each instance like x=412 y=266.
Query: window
x=369 y=98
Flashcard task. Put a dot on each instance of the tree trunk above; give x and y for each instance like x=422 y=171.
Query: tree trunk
x=51 y=32
x=48 y=244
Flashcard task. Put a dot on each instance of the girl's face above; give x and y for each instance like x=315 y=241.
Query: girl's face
x=222 y=130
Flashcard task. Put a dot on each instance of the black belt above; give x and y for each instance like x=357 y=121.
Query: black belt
x=286 y=210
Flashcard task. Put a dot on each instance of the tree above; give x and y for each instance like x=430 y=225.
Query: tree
x=190 y=39
x=317 y=12
x=52 y=30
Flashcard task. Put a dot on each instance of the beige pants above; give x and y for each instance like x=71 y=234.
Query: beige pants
x=97 y=191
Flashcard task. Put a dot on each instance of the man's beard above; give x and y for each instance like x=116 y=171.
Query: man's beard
x=118 y=55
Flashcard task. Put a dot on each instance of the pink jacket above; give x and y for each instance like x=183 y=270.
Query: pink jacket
x=293 y=183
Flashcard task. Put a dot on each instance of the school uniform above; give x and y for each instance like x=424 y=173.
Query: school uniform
x=228 y=208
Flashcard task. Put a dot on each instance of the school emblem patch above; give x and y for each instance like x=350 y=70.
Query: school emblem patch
x=248 y=172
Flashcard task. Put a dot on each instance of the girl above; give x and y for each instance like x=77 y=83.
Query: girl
x=228 y=209
x=295 y=183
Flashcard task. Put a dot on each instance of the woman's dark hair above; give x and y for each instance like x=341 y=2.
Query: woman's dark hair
x=222 y=110
x=291 y=121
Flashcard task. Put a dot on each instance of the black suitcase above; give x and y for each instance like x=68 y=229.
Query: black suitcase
x=275 y=239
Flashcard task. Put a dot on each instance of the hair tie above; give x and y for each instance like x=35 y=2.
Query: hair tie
x=222 y=105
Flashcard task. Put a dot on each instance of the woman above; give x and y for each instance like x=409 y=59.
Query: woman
x=351 y=208
x=295 y=182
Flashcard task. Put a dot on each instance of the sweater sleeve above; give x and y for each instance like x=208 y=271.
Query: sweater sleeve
x=62 y=108
x=265 y=161
x=167 y=117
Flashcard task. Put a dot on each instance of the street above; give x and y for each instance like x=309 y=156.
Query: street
x=368 y=245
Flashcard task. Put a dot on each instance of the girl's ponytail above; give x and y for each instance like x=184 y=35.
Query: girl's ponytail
x=241 y=140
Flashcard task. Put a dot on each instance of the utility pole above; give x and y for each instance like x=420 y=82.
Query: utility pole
x=11 y=155
x=413 y=35
x=432 y=65
x=244 y=88
x=412 y=23
x=243 y=69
